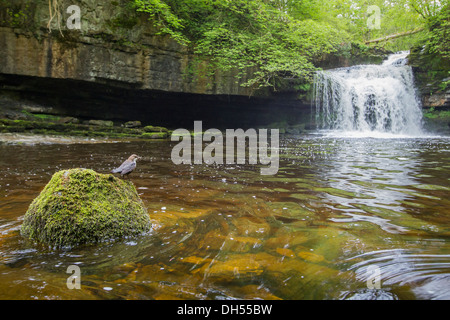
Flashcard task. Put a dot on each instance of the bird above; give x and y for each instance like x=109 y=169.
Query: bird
x=127 y=166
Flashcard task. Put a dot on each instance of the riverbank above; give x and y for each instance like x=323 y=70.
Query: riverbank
x=69 y=126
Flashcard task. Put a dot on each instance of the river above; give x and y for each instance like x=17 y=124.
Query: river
x=344 y=218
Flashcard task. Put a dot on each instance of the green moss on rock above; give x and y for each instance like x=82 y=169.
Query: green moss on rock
x=155 y=129
x=154 y=135
x=81 y=206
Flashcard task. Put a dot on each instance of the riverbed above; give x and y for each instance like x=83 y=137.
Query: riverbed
x=344 y=218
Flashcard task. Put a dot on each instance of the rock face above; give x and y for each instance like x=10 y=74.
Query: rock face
x=115 y=46
x=80 y=206
x=353 y=54
x=117 y=67
x=431 y=74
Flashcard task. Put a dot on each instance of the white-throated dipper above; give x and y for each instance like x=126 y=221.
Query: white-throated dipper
x=127 y=166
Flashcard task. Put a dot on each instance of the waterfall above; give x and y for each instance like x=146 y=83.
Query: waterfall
x=369 y=98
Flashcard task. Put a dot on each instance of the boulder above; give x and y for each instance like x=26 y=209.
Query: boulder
x=100 y=123
x=154 y=135
x=69 y=120
x=155 y=129
x=133 y=124
x=81 y=206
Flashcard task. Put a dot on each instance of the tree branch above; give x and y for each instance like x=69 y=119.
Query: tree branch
x=393 y=36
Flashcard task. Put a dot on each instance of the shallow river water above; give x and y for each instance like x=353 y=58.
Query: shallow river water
x=344 y=218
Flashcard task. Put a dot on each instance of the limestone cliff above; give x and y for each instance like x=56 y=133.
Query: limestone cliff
x=115 y=45
x=117 y=67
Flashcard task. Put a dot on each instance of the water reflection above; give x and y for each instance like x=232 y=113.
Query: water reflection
x=378 y=180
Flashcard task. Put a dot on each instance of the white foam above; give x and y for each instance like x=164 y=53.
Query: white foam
x=369 y=100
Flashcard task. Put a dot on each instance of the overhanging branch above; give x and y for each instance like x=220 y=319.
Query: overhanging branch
x=394 y=36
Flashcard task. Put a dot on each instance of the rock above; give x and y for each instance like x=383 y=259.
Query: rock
x=196 y=260
x=69 y=120
x=291 y=130
x=155 y=129
x=284 y=237
x=352 y=54
x=251 y=226
x=133 y=124
x=154 y=135
x=237 y=266
x=81 y=206
x=257 y=292
x=34 y=108
x=285 y=252
x=104 y=51
x=430 y=76
x=100 y=123
x=441 y=99
x=311 y=257
x=296 y=129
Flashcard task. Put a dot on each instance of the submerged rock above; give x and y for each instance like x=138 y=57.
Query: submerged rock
x=81 y=206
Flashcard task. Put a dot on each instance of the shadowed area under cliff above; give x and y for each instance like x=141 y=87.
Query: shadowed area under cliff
x=120 y=102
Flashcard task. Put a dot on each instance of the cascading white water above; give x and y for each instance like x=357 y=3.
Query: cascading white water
x=369 y=98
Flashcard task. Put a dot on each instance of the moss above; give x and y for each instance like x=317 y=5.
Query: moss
x=42 y=116
x=155 y=129
x=81 y=206
x=437 y=114
x=431 y=70
x=124 y=21
x=85 y=130
x=154 y=135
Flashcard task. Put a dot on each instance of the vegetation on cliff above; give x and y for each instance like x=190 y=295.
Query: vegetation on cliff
x=261 y=36
x=26 y=122
x=282 y=39
x=263 y=43
x=430 y=58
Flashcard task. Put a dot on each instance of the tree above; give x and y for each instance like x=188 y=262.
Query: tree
x=277 y=39
x=281 y=39
x=438 y=38
x=427 y=8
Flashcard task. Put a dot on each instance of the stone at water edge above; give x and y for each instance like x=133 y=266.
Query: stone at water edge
x=81 y=206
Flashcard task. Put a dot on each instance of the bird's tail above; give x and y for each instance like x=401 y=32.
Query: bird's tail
x=115 y=170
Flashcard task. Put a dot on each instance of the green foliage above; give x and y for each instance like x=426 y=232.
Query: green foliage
x=279 y=40
x=431 y=56
x=438 y=39
x=15 y=15
x=444 y=85
x=427 y=9
x=434 y=114
x=161 y=13
x=276 y=40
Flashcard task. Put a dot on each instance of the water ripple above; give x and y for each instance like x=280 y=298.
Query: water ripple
x=428 y=275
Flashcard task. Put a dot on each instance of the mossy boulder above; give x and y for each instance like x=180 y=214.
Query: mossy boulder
x=154 y=135
x=133 y=124
x=155 y=129
x=81 y=206
x=100 y=123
